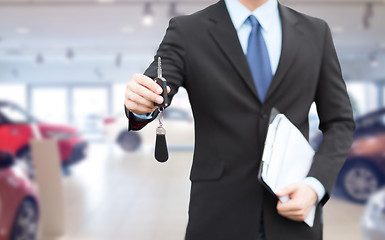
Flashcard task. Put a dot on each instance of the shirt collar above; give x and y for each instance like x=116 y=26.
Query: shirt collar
x=265 y=14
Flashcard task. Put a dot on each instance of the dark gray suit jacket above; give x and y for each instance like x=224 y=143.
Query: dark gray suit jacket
x=202 y=53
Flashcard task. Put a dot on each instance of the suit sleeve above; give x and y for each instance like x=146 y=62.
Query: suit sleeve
x=336 y=119
x=172 y=52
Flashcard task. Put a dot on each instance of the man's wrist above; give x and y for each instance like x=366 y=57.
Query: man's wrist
x=142 y=117
x=317 y=186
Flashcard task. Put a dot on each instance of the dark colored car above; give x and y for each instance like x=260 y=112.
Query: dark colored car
x=19 y=206
x=364 y=170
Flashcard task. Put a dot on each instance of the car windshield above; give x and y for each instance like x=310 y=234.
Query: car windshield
x=371 y=125
x=15 y=114
x=377 y=120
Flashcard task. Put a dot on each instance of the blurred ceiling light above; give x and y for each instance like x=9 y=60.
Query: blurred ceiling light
x=127 y=29
x=70 y=54
x=106 y=1
x=118 y=60
x=22 y=30
x=173 y=12
x=39 y=59
x=368 y=15
x=148 y=15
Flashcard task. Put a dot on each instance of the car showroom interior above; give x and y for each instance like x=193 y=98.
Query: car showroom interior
x=71 y=170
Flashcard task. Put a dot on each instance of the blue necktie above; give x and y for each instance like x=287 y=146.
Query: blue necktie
x=258 y=58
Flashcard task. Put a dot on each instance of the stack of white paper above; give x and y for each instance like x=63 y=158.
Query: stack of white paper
x=287 y=158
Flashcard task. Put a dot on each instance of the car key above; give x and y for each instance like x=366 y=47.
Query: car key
x=161 y=151
x=163 y=84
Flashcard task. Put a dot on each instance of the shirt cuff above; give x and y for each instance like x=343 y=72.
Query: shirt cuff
x=147 y=116
x=317 y=186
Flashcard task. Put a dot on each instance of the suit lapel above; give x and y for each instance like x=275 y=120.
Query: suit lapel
x=226 y=37
x=292 y=38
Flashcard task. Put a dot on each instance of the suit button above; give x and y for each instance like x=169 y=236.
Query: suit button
x=264 y=115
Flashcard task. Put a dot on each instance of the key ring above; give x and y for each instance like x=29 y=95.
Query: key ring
x=160 y=109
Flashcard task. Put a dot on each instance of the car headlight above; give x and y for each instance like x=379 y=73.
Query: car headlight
x=58 y=135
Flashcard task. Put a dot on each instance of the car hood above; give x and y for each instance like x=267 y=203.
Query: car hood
x=57 y=128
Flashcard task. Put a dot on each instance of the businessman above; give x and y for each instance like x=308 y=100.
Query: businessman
x=238 y=59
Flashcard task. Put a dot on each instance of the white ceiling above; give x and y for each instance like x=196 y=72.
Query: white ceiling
x=94 y=31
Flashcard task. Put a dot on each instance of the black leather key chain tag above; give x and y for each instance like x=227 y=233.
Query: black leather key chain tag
x=161 y=151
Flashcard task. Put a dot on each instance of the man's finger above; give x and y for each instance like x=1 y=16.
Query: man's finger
x=168 y=89
x=296 y=218
x=287 y=190
x=291 y=212
x=294 y=213
x=147 y=94
x=137 y=108
x=289 y=206
x=148 y=83
x=139 y=99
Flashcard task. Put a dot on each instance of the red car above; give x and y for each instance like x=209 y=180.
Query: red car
x=16 y=132
x=19 y=207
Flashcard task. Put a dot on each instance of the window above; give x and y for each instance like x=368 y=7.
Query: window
x=14 y=114
x=363 y=97
x=50 y=104
x=14 y=93
x=90 y=106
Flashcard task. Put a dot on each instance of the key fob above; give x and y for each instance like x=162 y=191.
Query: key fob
x=163 y=84
x=161 y=152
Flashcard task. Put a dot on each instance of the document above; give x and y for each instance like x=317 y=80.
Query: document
x=287 y=158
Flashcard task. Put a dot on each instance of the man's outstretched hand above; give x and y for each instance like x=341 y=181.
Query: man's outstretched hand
x=141 y=93
x=302 y=199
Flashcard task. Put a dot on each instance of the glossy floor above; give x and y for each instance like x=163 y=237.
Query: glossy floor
x=113 y=195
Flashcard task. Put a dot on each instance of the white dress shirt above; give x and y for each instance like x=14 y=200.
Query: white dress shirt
x=270 y=21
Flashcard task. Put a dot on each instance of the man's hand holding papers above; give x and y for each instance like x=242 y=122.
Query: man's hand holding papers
x=302 y=200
